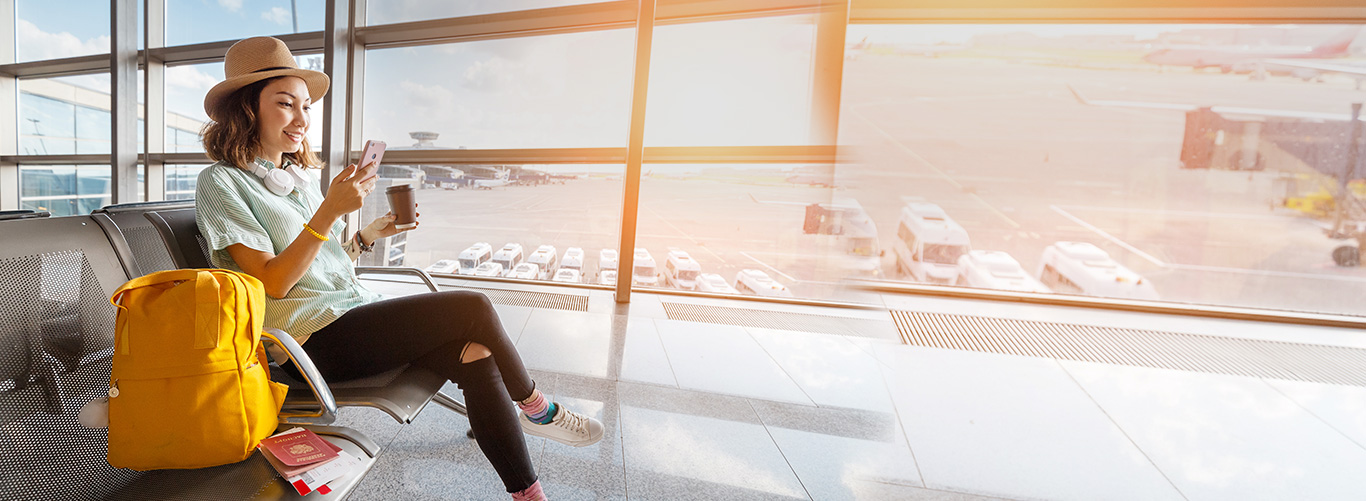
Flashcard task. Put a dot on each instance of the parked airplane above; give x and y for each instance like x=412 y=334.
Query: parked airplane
x=1245 y=59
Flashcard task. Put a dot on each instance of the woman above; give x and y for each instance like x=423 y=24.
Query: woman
x=261 y=214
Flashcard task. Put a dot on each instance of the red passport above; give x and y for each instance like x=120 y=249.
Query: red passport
x=299 y=448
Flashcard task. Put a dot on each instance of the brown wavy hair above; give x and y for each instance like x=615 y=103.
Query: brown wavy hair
x=236 y=139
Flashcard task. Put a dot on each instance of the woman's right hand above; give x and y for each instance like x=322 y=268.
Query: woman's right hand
x=347 y=192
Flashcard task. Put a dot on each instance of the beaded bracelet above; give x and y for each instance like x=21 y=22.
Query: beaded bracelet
x=315 y=233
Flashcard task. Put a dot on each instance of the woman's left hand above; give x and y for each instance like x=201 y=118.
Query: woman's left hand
x=382 y=227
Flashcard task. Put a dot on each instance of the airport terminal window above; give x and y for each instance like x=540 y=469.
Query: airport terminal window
x=1203 y=164
x=382 y=12
x=198 y=22
x=48 y=30
x=64 y=190
x=731 y=83
x=555 y=91
x=521 y=207
x=776 y=230
x=181 y=181
x=66 y=115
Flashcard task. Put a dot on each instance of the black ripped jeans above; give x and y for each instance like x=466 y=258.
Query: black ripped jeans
x=431 y=330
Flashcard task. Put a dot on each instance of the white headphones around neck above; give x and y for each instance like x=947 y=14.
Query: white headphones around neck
x=279 y=181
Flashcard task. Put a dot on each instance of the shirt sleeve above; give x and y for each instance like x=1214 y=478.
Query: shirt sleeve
x=223 y=215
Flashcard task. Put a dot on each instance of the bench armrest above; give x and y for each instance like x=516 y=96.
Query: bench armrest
x=385 y=270
x=327 y=409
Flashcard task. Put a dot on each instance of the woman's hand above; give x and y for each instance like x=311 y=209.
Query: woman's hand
x=382 y=227
x=347 y=192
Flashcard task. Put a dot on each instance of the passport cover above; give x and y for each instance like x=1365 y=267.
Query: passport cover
x=299 y=448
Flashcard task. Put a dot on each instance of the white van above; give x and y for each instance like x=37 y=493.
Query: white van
x=928 y=244
x=509 y=256
x=995 y=270
x=524 y=271
x=489 y=269
x=711 y=282
x=681 y=270
x=1083 y=268
x=758 y=283
x=567 y=275
x=643 y=271
x=474 y=256
x=572 y=260
x=545 y=260
x=607 y=260
x=607 y=277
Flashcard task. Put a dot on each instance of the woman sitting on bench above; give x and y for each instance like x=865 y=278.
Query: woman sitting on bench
x=261 y=214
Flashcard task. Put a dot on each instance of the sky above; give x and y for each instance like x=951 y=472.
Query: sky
x=739 y=82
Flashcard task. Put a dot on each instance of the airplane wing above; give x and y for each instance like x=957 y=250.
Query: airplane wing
x=1222 y=110
x=1345 y=69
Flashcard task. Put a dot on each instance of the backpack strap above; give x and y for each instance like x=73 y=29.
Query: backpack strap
x=206 y=301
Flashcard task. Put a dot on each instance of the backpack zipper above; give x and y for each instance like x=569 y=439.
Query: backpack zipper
x=114 y=389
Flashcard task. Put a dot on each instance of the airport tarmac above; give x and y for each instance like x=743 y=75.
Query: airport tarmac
x=1005 y=149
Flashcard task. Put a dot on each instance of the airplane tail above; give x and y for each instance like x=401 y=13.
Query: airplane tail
x=1338 y=44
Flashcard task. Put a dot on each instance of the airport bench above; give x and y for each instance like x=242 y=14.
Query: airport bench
x=56 y=342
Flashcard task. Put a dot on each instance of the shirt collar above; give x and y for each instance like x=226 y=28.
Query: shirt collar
x=271 y=165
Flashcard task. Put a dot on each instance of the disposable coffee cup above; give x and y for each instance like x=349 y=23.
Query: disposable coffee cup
x=402 y=204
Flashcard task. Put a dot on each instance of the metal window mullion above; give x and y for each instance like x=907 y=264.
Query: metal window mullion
x=154 y=100
x=635 y=149
x=337 y=66
x=123 y=87
x=9 y=115
x=299 y=43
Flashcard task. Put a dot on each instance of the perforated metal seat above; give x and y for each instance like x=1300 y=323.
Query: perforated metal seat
x=149 y=255
x=401 y=392
x=56 y=338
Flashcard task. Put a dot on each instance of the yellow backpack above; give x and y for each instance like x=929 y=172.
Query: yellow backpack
x=190 y=386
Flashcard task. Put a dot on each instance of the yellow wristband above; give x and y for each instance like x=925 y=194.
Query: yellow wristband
x=316 y=234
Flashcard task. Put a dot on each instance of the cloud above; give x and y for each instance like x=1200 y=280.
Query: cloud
x=190 y=78
x=426 y=97
x=492 y=74
x=38 y=44
x=232 y=5
x=277 y=15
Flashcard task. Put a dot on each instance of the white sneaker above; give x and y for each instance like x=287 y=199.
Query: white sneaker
x=568 y=427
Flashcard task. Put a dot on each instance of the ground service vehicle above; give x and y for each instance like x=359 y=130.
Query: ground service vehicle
x=995 y=270
x=756 y=282
x=928 y=243
x=442 y=266
x=474 y=256
x=681 y=270
x=568 y=275
x=509 y=256
x=711 y=282
x=525 y=271
x=573 y=259
x=607 y=277
x=607 y=260
x=545 y=260
x=644 y=271
x=489 y=269
x=1083 y=268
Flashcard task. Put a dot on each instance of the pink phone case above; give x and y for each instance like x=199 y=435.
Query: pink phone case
x=373 y=153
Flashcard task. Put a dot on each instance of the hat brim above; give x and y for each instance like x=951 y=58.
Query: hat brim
x=316 y=81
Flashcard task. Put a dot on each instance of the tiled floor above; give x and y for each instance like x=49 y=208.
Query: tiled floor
x=708 y=411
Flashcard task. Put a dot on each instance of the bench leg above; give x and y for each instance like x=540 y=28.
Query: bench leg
x=448 y=402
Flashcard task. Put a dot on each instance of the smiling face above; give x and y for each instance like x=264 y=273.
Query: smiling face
x=282 y=117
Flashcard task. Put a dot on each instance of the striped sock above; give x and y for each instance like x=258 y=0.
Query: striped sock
x=532 y=493
x=538 y=410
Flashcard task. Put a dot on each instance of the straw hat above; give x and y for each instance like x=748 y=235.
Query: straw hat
x=255 y=59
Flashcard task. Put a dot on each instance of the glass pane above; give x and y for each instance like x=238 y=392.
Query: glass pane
x=64 y=190
x=770 y=230
x=181 y=181
x=521 y=207
x=731 y=83
x=49 y=30
x=556 y=91
x=64 y=115
x=196 y=22
x=186 y=87
x=1086 y=159
x=382 y=12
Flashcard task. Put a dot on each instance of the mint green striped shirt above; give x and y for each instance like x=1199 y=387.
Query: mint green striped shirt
x=233 y=206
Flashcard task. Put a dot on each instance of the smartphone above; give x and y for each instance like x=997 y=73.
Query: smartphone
x=372 y=154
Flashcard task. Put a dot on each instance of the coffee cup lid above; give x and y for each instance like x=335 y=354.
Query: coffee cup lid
x=398 y=187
